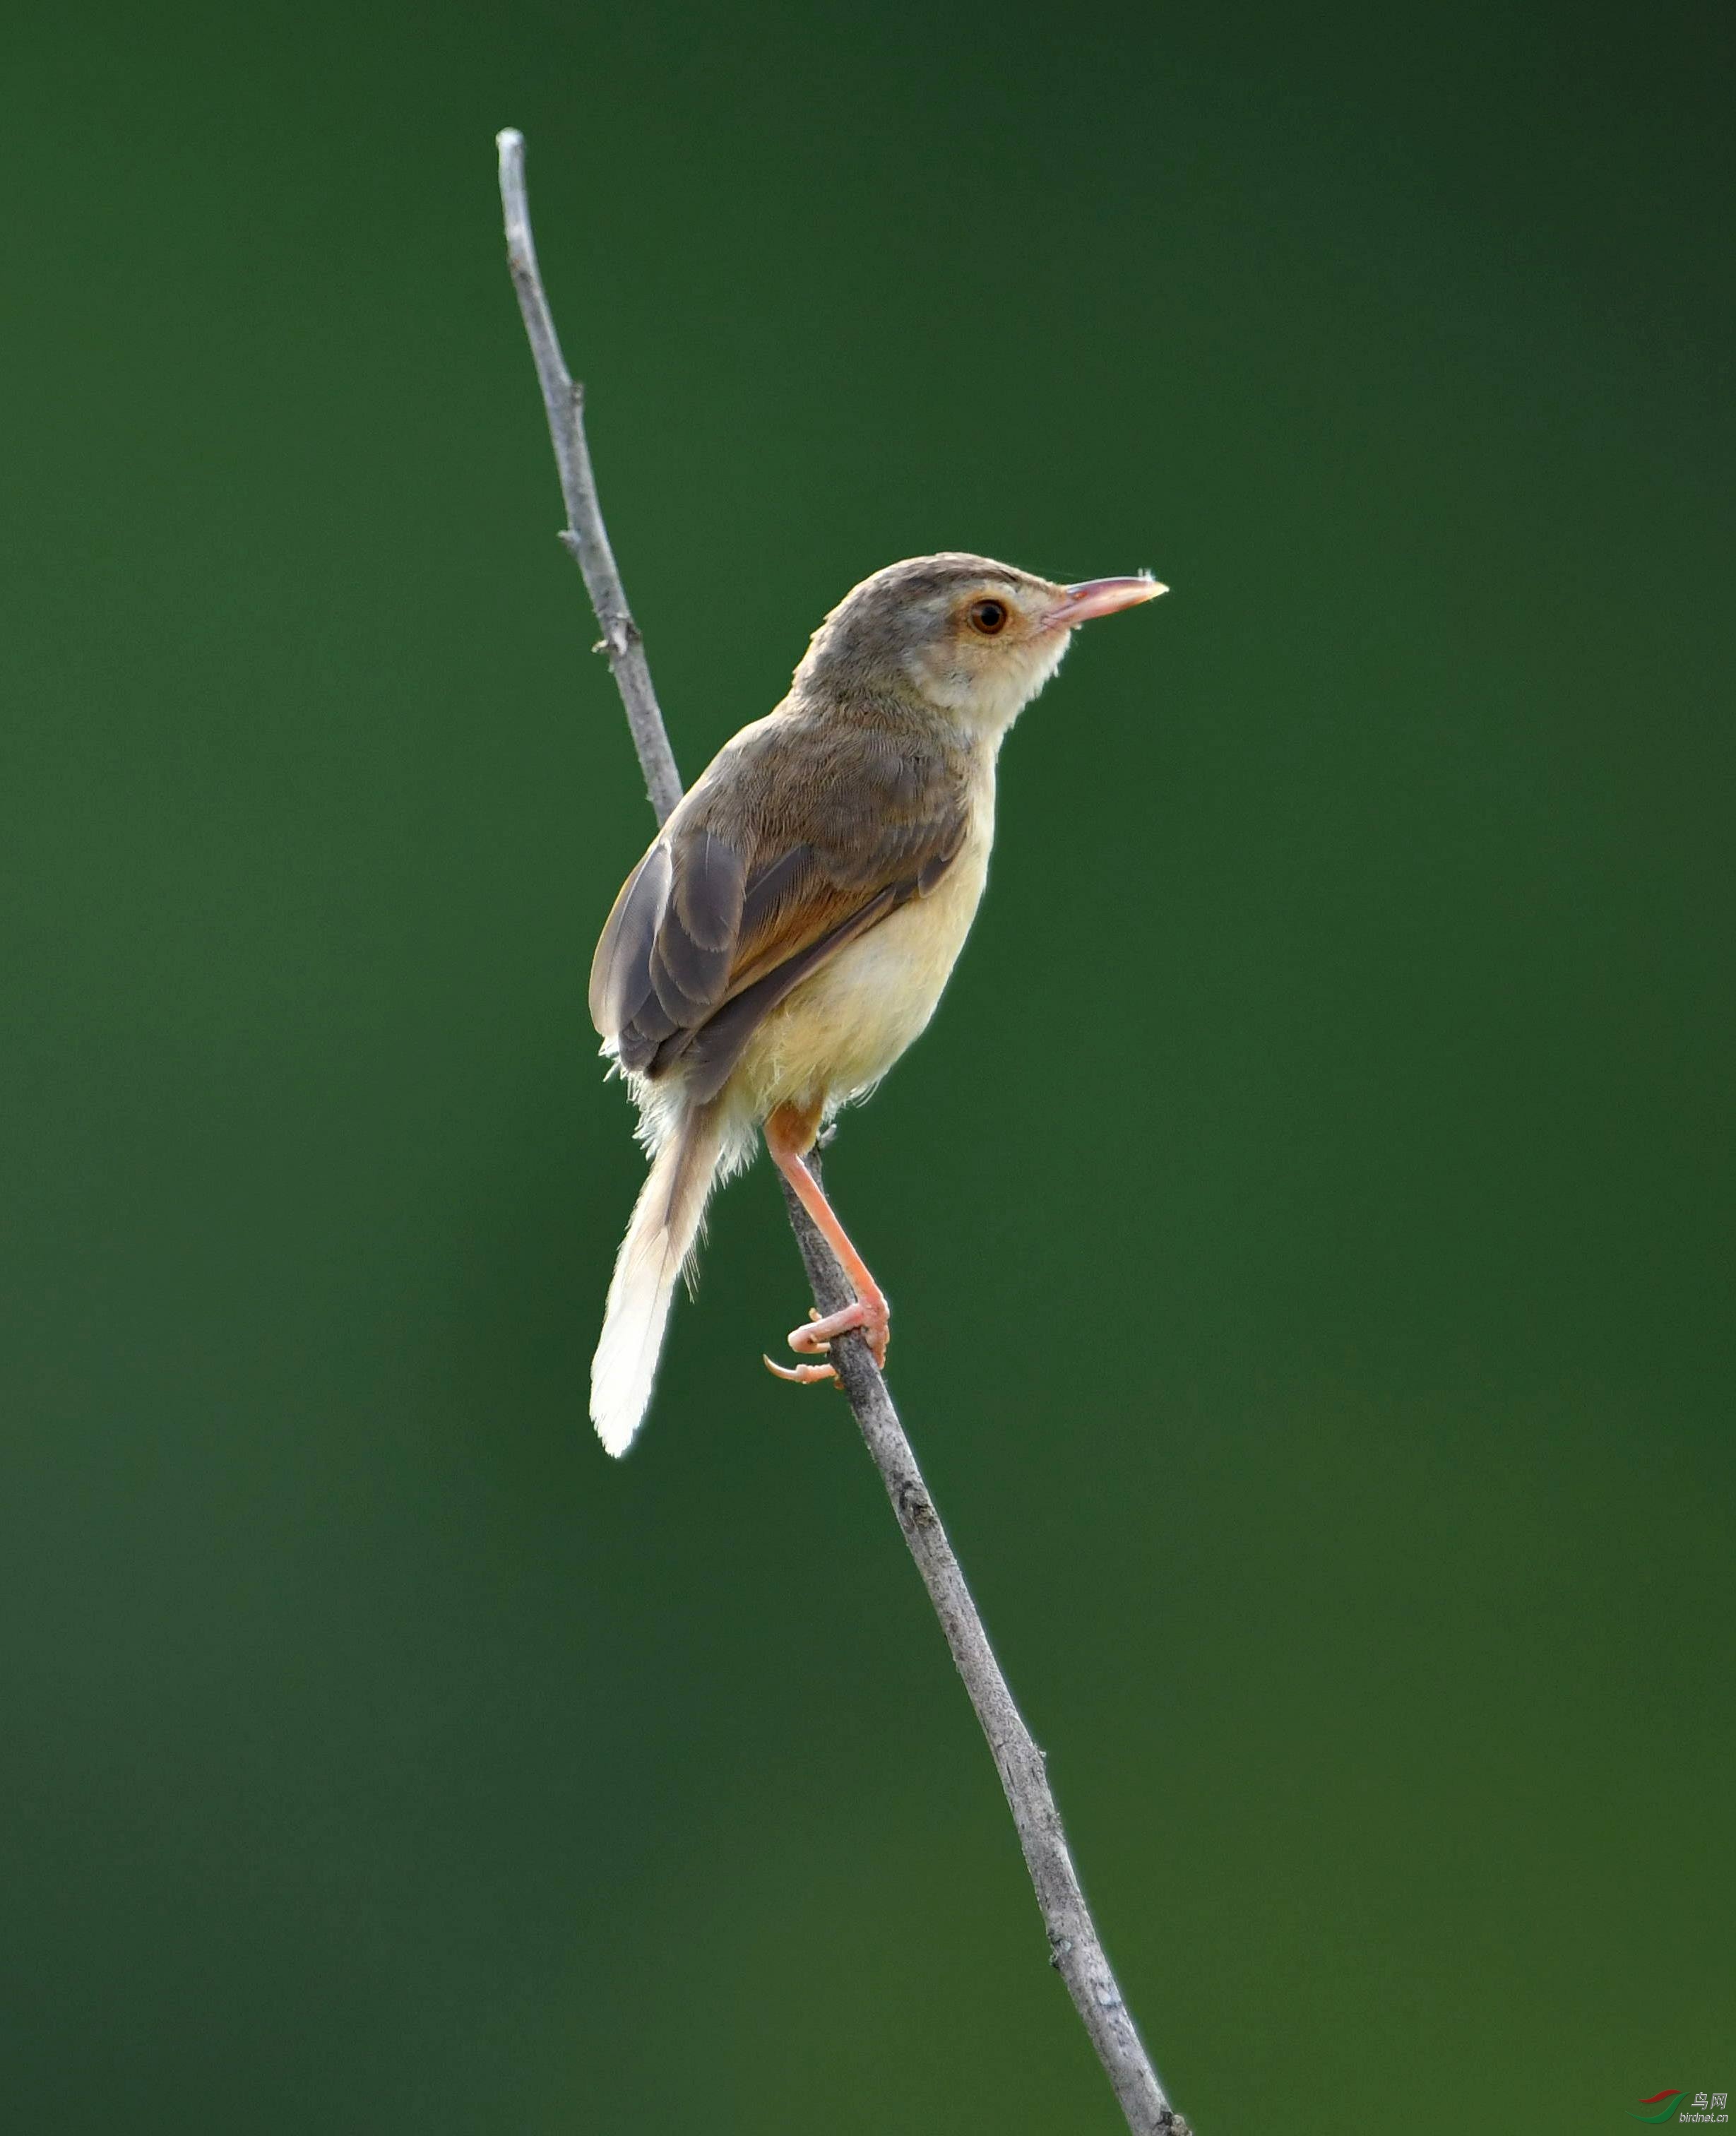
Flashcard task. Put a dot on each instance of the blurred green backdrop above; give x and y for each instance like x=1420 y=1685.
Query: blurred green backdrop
x=1308 y=1217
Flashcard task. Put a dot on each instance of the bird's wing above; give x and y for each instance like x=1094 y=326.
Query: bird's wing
x=798 y=839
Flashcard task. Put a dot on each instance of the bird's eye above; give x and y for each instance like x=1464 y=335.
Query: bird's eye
x=988 y=616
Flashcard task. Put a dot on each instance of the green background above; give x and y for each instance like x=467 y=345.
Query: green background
x=1306 y=1218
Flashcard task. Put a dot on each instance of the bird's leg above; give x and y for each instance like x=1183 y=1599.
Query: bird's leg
x=789 y=1135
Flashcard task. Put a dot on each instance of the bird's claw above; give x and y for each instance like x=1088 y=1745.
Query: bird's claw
x=801 y=1375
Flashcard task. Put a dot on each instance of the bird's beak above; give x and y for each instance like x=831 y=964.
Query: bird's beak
x=1101 y=597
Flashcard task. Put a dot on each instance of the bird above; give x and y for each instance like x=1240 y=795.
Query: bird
x=790 y=929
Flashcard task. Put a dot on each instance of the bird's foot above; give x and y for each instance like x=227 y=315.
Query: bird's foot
x=872 y=1319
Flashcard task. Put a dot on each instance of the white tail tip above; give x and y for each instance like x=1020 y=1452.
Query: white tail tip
x=666 y=1221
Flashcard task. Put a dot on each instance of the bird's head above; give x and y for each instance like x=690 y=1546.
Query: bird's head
x=970 y=638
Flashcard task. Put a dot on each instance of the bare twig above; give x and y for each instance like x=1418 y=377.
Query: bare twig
x=585 y=536
x=1074 y=1949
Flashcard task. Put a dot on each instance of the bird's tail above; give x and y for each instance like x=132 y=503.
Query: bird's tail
x=664 y=1232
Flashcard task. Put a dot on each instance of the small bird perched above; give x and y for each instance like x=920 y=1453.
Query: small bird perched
x=790 y=931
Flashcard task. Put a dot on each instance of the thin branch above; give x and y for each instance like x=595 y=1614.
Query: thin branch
x=1074 y=1950
x=585 y=536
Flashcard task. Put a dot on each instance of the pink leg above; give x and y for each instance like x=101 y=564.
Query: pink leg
x=789 y=1135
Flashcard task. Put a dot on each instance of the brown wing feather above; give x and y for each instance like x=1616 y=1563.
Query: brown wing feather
x=799 y=837
x=621 y=970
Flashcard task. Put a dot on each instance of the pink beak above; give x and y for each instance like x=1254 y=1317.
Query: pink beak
x=1094 y=597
